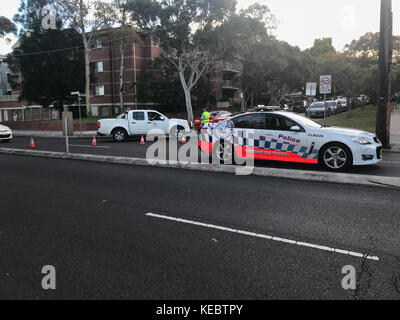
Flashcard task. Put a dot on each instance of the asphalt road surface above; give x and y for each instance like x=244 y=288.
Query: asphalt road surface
x=89 y=221
x=390 y=166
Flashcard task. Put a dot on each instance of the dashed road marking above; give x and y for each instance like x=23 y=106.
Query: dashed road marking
x=267 y=237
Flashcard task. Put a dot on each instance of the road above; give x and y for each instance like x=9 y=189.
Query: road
x=89 y=221
x=390 y=166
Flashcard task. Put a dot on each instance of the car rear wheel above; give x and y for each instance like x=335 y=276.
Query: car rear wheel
x=336 y=157
x=176 y=132
x=223 y=152
x=120 y=135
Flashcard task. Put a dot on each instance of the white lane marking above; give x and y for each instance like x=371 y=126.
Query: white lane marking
x=83 y=146
x=267 y=237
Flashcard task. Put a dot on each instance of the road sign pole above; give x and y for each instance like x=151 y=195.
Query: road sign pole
x=66 y=134
x=80 y=112
x=325 y=109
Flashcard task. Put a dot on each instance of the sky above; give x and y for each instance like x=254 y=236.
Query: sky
x=300 y=22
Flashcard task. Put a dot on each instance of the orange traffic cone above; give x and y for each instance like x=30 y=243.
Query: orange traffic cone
x=183 y=139
x=32 y=143
x=142 y=141
x=94 y=142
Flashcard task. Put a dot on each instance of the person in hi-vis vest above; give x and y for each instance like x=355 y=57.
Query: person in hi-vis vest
x=205 y=118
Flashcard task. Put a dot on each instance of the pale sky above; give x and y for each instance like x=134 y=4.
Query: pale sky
x=300 y=22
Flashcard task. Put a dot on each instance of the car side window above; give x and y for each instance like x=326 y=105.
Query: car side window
x=273 y=123
x=154 y=116
x=139 y=116
x=286 y=124
x=278 y=123
x=250 y=121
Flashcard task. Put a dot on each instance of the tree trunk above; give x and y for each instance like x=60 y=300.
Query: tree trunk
x=189 y=108
x=87 y=75
x=121 y=76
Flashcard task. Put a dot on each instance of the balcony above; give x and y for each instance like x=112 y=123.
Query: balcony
x=13 y=97
x=233 y=67
x=231 y=85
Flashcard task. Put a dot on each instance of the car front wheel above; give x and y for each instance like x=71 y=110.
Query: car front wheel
x=336 y=157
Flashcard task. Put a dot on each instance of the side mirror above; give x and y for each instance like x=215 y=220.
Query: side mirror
x=162 y=118
x=295 y=128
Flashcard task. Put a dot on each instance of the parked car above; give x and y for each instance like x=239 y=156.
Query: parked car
x=343 y=104
x=5 y=133
x=334 y=107
x=290 y=137
x=300 y=107
x=140 y=122
x=262 y=108
x=216 y=116
x=316 y=110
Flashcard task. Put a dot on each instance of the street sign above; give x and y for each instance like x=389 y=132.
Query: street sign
x=325 y=84
x=311 y=89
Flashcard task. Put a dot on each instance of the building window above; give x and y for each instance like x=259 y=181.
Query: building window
x=105 y=111
x=99 y=90
x=97 y=44
x=98 y=66
x=95 y=111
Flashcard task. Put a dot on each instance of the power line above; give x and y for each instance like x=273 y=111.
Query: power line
x=66 y=49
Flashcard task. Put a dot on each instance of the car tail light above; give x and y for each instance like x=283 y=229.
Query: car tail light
x=98 y=125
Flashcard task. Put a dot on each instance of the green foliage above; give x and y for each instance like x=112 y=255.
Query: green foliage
x=48 y=77
x=322 y=46
x=6 y=27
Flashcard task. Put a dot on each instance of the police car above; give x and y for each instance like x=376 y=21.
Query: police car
x=283 y=136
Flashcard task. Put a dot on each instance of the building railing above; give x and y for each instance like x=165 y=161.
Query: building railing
x=229 y=84
x=12 y=97
x=232 y=66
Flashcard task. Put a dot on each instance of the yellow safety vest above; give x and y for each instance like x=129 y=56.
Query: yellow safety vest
x=206 y=118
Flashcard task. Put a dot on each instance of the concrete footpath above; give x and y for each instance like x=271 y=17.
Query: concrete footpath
x=316 y=176
x=52 y=134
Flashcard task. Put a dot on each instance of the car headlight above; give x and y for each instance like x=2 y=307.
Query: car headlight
x=361 y=140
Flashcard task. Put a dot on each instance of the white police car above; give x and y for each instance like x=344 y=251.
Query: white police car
x=283 y=136
x=5 y=133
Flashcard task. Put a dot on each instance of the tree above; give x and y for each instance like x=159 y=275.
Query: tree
x=189 y=33
x=87 y=17
x=6 y=27
x=49 y=68
x=322 y=46
x=249 y=34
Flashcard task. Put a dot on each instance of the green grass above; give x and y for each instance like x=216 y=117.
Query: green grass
x=362 y=119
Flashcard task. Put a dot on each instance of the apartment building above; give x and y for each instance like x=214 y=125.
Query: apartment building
x=138 y=51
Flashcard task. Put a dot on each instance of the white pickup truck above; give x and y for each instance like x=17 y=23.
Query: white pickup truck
x=141 y=122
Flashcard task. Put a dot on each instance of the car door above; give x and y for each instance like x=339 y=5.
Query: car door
x=138 y=123
x=247 y=133
x=156 y=121
x=286 y=138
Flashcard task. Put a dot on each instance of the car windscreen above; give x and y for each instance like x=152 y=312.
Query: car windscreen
x=317 y=106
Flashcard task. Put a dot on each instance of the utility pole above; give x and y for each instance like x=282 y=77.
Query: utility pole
x=385 y=73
